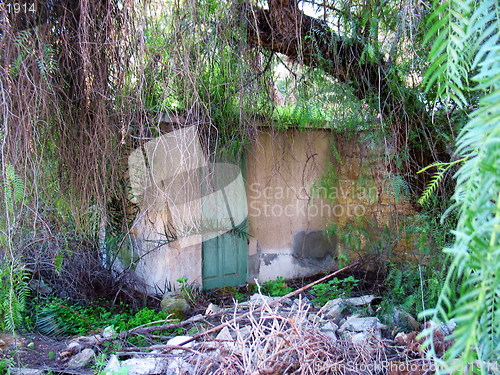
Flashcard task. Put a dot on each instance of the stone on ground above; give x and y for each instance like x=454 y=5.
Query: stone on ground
x=174 y=304
x=357 y=324
x=81 y=359
x=145 y=366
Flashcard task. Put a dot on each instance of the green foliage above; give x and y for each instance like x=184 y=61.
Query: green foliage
x=463 y=35
x=335 y=288
x=13 y=277
x=326 y=187
x=13 y=187
x=442 y=168
x=400 y=188
x=414 y=283
x=5 y=364
x=42 y=53
x=123 y=370
x=467 y=33
x=365 y=238
x=411 y=288
x=240 y=297
x=189 y=292
x=14 y=291
x=276 y=288
x=100 y=363
x=197 y=63
x=58 y=317
x=315 y=100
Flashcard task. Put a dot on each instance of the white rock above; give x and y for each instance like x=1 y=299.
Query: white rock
x=332 y=310
x=301 y=302
x=445 y=328
x=448 y=327
x=113 y=365
x=259 y=299
x=329 y=329
x=177 y=341
x=108 y=332
x=81 y=359
x=74 y=346
x=305 y=300
x=360 y=337
x=179 y=367
x=227 y=340
x=360 y=301
x=88 y=341
x=286 y=302
x=195 y=318
x=212 y=309
x=243 y=333
x=357 y=324
x=330 y=326
x=144 y=366
x=405 y=321
x=235 y=345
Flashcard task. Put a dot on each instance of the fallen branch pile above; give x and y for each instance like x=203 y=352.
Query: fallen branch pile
x=268 y=337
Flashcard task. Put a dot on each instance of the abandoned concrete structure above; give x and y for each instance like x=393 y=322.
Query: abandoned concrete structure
x=292 y=184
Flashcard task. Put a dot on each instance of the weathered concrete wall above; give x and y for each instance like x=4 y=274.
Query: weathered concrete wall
x=165 y=183
x=289 y=209
x=159 y=264
x=288 y=206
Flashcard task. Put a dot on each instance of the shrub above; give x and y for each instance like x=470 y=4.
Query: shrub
x=58 y=317
x=276 y=288
x=332 y=289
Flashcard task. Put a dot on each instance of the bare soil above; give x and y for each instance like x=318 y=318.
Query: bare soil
x=34 y=351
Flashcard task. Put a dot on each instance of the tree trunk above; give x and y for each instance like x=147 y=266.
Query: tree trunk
x=284 y=28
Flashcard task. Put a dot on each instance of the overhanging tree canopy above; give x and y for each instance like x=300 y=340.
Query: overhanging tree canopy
x=286 y=29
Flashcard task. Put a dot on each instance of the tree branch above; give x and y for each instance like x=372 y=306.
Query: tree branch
x=285 y=29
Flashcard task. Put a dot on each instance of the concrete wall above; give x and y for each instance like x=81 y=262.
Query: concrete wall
x=159 y=264
x=288 y=209
x=287 y=215
x=165 y=183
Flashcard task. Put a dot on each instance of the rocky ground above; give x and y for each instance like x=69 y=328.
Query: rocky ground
x=266 y=335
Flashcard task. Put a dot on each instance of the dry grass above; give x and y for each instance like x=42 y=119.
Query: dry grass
x=272 y=342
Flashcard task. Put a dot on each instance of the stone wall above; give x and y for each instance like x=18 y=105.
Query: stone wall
x=289 y=207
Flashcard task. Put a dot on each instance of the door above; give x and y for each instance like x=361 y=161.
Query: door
x=225 y=255
x=225 y=259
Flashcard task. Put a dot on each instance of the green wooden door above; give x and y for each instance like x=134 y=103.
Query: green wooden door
x=225 y=257
x=225 y=261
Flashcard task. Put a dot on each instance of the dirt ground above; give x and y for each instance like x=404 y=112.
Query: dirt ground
x=33 y=351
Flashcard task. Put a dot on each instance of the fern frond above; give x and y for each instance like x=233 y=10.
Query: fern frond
x=437 y=177
x=16 y=64
x=46 y=62
x=13 y=294
x=23 y=39
x=432 y=185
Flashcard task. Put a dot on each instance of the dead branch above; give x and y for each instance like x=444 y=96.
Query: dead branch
x=289 y=295
x=163 y=327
